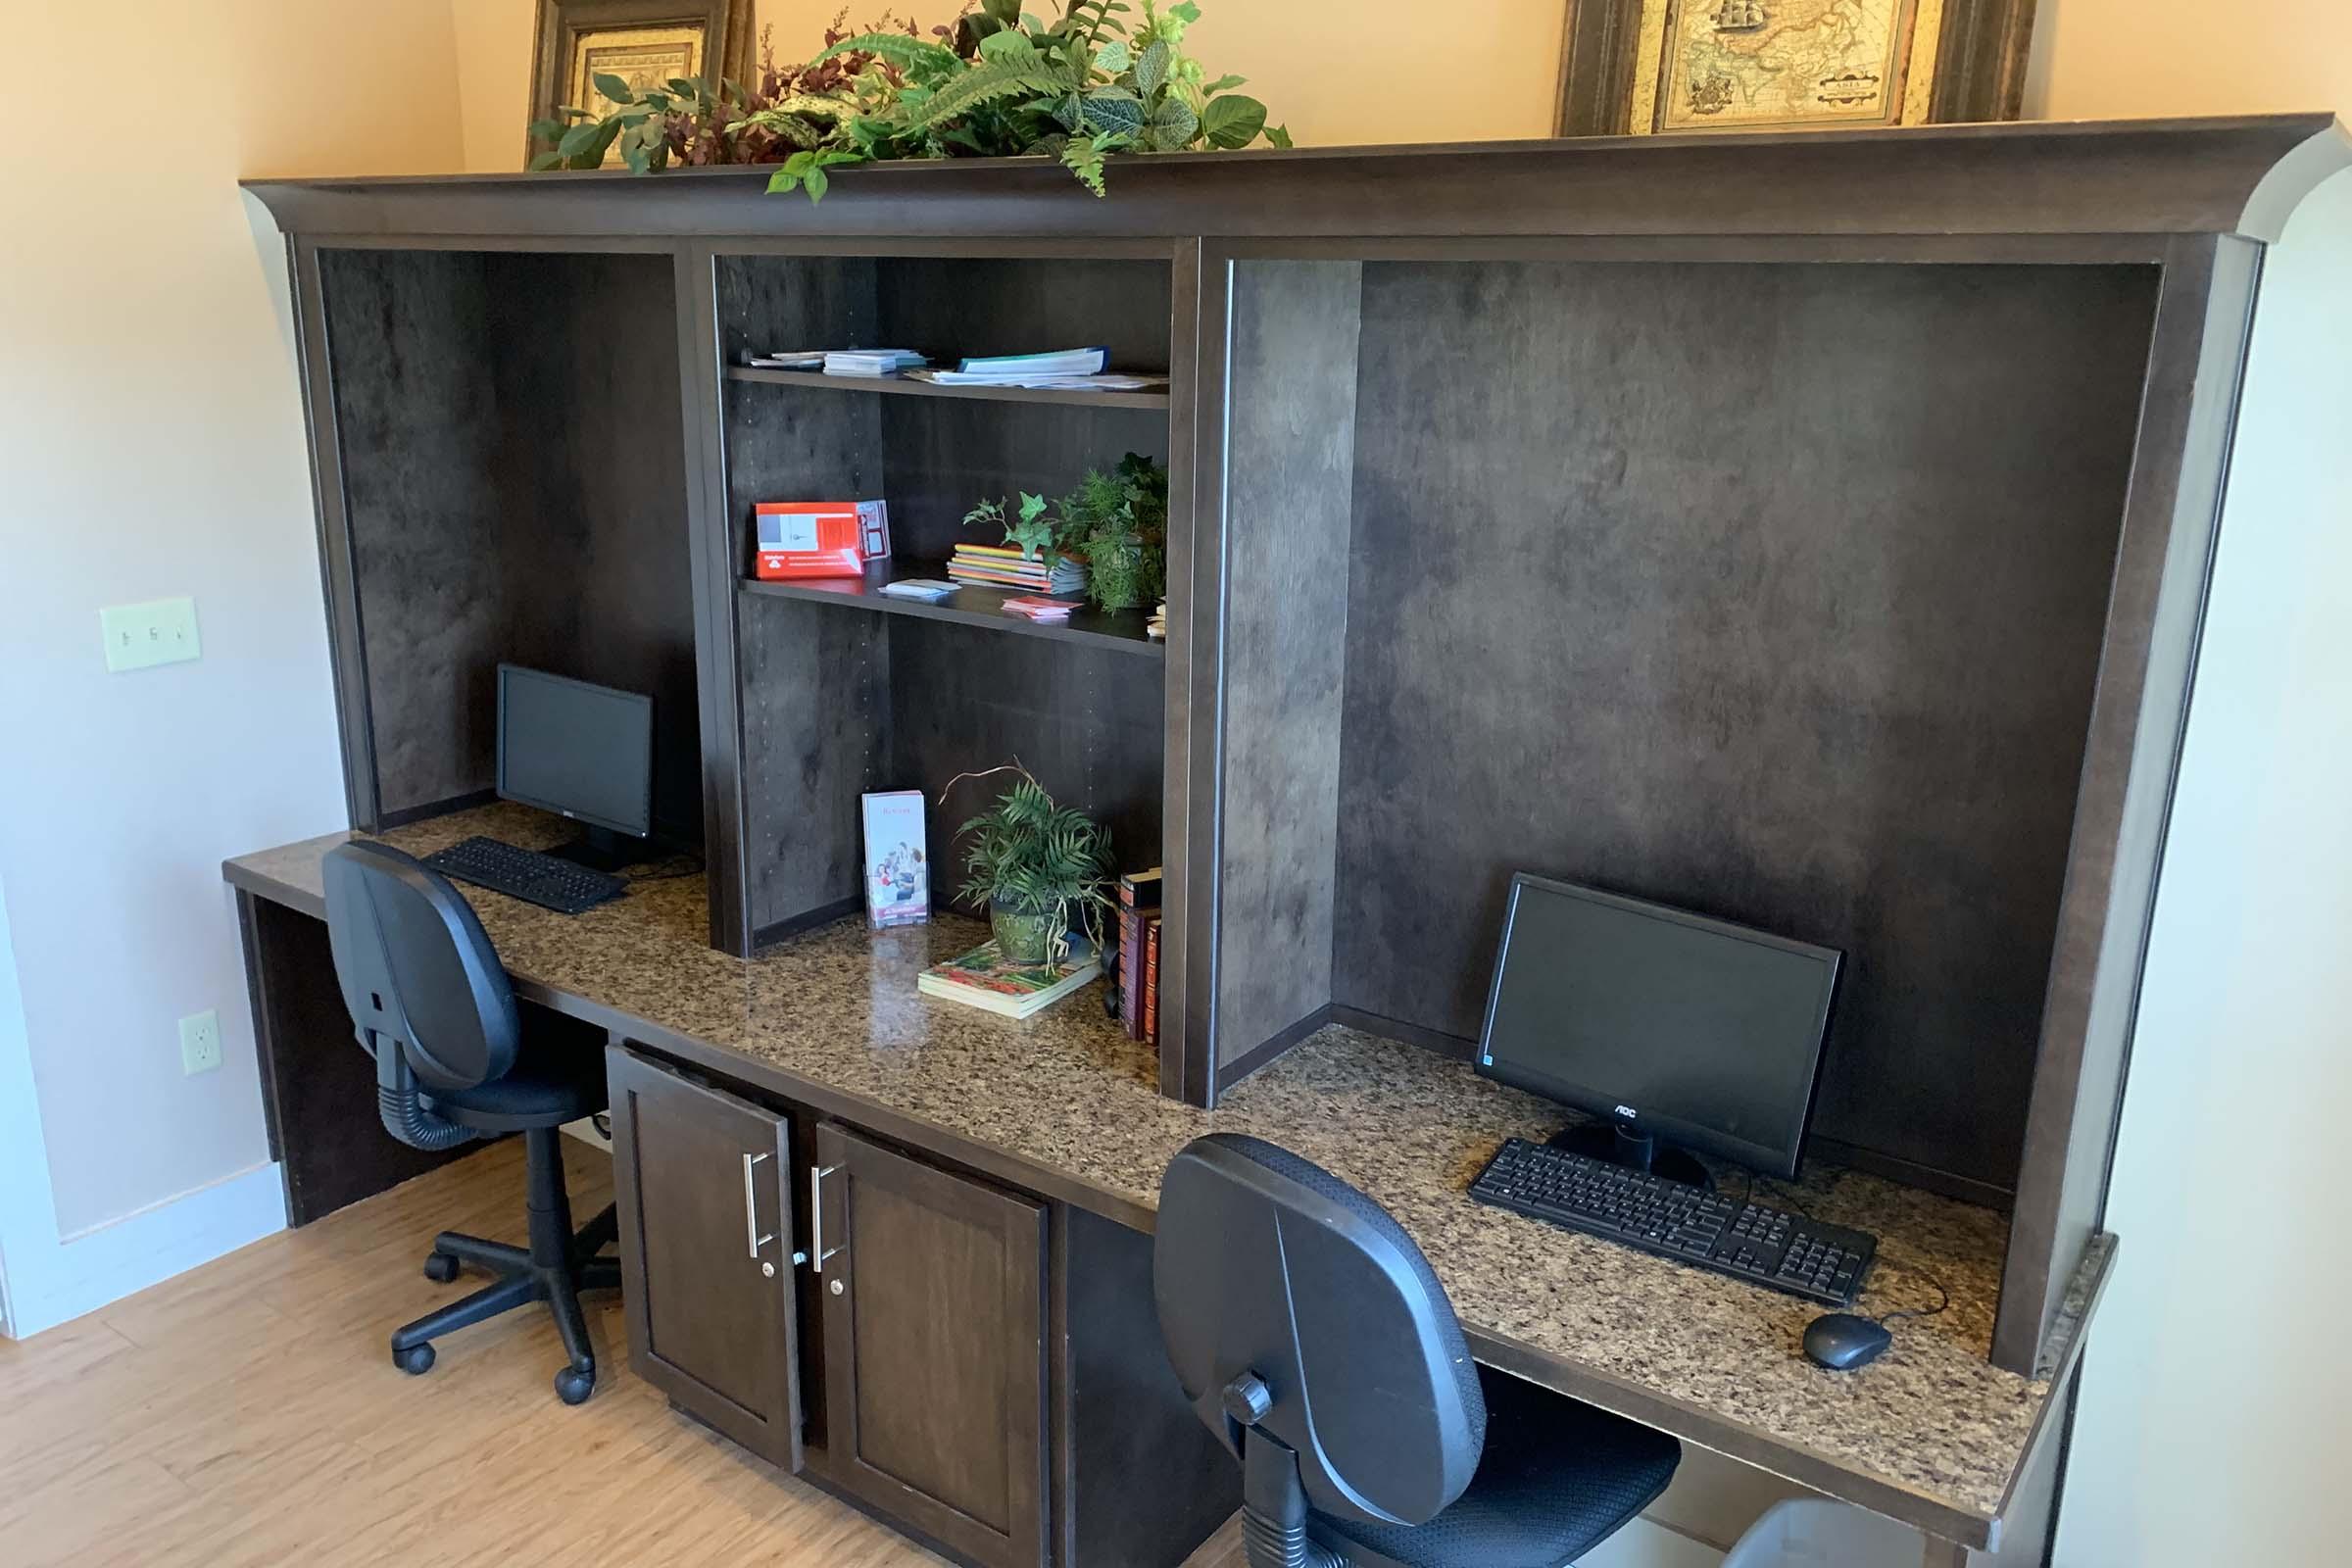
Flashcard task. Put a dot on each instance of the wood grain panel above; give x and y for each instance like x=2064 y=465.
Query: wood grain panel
x=952 y=305
x=936 y=1417
x=593 y=562
x=1290 y=463
x=1086 y=722
x=947 y=455
x=416 y=418
x=1747 y=614
x=815 y=736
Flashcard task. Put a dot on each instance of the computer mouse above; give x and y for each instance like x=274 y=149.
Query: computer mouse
x=1843 y=1342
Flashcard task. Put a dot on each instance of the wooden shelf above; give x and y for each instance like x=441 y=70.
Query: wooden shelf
x=900 y=387
x=1118 y=630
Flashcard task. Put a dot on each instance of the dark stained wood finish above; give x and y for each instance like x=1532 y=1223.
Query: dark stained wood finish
x=1600 y=46
x=935 y=1349
x=2163 y=573
x=417 y=421
x=708 y=1284
x=314 y=1072
x=1290 y=453
x=2133 y=176
x=900 y=386
x=1120 y=1413
x=815 y=736
x=1185 y=444
x=494 y=513
x=1829 y=676
x=945 y=457
x=1116 y=631
x=1087 y=722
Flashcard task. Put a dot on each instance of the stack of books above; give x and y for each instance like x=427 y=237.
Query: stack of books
x=1157 y=625
x=1139 y=955
x=1027 y=369
x=871 y=361
x=1005 y=566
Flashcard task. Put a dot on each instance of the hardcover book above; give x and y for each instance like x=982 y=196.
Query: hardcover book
x=982 y=978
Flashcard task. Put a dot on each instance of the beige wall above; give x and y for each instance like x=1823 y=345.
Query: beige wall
x=2133 y=59
x=152 y=442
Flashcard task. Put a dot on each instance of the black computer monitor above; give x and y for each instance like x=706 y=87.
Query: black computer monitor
x=1676 y=1029
x=582 y=752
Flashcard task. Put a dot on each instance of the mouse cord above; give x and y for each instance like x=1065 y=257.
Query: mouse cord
x=1885 y=1318
x=670 y=870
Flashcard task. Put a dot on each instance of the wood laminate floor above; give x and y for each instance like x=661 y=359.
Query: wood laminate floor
x=248 y=1413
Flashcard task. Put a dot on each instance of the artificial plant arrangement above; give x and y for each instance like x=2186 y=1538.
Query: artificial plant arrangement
x=1116 y=522
x=996 y=83
x=1037 y=867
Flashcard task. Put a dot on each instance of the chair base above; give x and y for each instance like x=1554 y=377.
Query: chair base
x=557 y=1266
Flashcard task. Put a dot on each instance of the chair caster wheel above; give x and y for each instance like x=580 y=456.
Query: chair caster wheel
x=440 y=1268
x=416 y=1360
x=573 y=1386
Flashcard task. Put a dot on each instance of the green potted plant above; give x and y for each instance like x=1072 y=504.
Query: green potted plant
x=1116 y=522
x=1039 y=869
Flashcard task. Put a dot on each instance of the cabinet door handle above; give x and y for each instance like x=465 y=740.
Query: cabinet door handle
x=818 y=1252
x=752 y=1240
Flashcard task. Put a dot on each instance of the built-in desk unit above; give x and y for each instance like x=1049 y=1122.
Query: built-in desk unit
x=1808 y=530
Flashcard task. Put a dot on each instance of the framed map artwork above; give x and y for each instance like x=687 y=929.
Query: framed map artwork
x=1667 y=66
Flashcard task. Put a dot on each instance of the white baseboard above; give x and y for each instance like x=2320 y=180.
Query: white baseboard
x=104 y=1265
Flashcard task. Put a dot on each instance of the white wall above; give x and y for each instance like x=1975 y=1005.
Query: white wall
x=152 y=437
x=2216 y=1420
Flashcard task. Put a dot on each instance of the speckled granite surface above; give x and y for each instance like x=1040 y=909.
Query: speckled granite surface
x=1931 y=1428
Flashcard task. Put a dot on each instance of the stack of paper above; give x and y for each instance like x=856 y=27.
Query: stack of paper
x=1046 y=611
x=929 y=589
x=787 y=360
x=1157 y=625
x=871 y=361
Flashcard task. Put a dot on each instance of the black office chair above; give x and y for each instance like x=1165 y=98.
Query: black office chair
x=1310 y=1334
x=431 y=1002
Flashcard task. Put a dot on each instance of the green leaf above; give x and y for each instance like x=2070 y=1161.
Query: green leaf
x=1152 y=67
x=1083 y=156
x=1112 y=57
x=1186 y=11
x=782 y=180
x=1172 y=125
x=906 y=53
x=549 y=159
x=685 y=88
x=984 y=85
x=1278 y=135
x=592 y=156
x=817 y=182
x=1009 y=48
x=1211 y=89
x=614 y=87
x=579 y=138
x=546 y=129
x=1116 y=114
x=1233 y=120
x=634 y=156
x=1004 y=13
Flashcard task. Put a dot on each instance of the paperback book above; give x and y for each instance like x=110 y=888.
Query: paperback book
x=983 y=978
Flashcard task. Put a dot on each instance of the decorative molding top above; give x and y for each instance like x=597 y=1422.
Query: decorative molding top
x=2116 y=178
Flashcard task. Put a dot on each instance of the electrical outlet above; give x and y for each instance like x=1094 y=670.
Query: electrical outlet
x=161 y=631
x=200 y=1042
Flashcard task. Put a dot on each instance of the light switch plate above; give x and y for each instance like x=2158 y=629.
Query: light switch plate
x=161 y=631
x=200 y=1042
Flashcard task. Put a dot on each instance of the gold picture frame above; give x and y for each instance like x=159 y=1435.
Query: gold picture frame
x=644 y=43
x=1680 y=66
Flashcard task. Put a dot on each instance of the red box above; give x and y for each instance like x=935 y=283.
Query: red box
x=808 y=539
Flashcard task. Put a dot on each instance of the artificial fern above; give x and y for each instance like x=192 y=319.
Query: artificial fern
x=1036 y=858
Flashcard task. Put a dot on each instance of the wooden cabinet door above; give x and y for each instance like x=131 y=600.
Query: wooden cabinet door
x=703 y=1180
x=935 y=1344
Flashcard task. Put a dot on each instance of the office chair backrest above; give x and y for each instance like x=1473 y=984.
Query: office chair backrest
x=426 y=993
x=1267 y=1265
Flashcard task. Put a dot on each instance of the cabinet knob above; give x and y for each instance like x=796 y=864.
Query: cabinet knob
x=837 y=1286
x=768 y=1269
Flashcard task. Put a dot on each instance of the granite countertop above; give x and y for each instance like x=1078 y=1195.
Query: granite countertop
x=1931 y=1431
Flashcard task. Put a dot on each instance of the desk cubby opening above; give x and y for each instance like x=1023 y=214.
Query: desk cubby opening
x=1776 y=592
x=837 y=704
x=513 y=490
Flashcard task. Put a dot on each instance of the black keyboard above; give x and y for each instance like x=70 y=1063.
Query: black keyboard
x=546 y=880
x=1746 y=1241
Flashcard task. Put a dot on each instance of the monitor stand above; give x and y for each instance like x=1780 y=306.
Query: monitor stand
x=1619 y=1144
x=600 y=848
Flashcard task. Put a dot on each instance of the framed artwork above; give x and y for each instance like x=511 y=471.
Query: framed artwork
x=1670 y=67
x=644 y=43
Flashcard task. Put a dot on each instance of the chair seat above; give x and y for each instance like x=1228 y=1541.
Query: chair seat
x=549 y=1085
x=1557 y=1478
